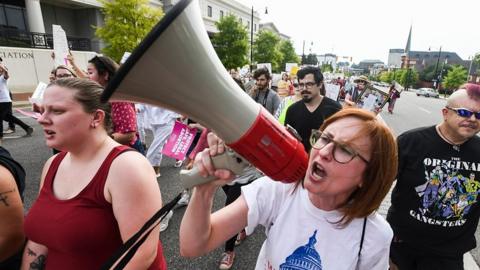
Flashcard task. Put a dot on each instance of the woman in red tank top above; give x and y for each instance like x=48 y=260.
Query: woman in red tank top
x=95 y=194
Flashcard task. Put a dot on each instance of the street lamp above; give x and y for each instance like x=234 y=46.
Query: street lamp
x=251 y=39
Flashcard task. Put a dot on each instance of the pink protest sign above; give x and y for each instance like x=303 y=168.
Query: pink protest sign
x=29 y=113
x=180 y=140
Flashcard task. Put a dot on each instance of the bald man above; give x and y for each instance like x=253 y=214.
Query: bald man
x=435 y=209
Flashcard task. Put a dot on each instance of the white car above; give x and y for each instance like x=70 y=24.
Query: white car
x=427 y=92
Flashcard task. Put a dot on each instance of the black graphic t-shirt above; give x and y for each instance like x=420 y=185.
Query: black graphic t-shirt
x=303 y=121
x=434 y=202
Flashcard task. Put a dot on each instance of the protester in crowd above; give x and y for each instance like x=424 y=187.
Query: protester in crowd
x=62 y=71
x=434 y=211
x=95 y=194
x=354 y=92
x=263 y=95
x=330 y=214
x=393 y=94
x=101 y=69
x=12 y=238
x=309 y=114
x=78 y=71
x=6 y=104
x=284 y=86
x=161 y=121
x=287 y=102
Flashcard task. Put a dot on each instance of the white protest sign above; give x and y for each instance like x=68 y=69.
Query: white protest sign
x=369 y=102
x=60 y=45
x=37 y=96
x=265 y=65
x=289 y=66
x=332 y=91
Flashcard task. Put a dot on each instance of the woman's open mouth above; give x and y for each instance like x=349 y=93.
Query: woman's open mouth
x=318 y=172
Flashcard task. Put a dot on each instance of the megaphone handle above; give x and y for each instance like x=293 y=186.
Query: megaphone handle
x=227 y=160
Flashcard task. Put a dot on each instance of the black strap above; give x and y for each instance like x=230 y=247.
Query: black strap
x=363 y=236
x=130 y=247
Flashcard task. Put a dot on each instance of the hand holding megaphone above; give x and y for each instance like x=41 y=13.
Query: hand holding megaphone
x=217 y=156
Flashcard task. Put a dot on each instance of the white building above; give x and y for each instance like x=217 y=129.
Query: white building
x=329 y=59
x=214 y=10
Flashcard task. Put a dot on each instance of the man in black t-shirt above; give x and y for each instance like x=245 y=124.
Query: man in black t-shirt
x=313 y=109
x=435 y=209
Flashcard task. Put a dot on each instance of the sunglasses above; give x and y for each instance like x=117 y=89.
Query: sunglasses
x=464 y=112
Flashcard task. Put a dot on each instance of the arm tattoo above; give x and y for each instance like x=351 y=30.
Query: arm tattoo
x=38 y=263
x=4 y=197
x=31 y=252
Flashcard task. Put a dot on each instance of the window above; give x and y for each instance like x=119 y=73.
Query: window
x=221 y=14
x=209 y=11
x=13 y=17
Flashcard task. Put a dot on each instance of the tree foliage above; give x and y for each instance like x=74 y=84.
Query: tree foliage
x=455 y=77
x=266 y=49
x=406 y=77
x=428 y=74
x=288 y=53
x=127 y=22
x=477 y=59
x=231 y=42
x=326 y=68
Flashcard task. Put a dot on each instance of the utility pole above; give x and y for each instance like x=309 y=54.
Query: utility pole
x=251 y=42
x=303 y=52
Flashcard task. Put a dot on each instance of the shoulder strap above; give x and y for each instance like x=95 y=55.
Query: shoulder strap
x=124 y=254
x=363 y=236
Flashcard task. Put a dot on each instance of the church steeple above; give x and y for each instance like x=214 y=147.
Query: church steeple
x=409 y=41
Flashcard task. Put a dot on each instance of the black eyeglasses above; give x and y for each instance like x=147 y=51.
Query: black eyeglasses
x=464 y=112
x=307 y=84
x=342 y=153
x=295 y=85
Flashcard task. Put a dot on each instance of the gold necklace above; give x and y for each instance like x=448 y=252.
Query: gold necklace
x=454 y=145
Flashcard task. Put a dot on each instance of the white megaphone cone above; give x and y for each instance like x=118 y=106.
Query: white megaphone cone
x=176 y=67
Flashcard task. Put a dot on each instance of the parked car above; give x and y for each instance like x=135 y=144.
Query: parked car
x=427 y=92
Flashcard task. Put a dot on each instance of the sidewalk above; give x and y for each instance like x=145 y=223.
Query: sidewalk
x=468 y=261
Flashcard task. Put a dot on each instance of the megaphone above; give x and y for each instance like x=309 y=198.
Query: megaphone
x=176 y=67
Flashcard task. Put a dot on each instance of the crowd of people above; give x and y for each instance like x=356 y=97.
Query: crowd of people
x=101 y=185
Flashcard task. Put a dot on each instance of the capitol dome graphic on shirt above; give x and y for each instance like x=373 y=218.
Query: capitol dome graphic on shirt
x=304 y=257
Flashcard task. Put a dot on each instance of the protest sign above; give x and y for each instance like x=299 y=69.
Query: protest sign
x=332 y=91
x=37 y=96
x=60 y=45
x=179 y=141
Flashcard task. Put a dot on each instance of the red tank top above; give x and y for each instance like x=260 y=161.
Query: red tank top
x=82 y=232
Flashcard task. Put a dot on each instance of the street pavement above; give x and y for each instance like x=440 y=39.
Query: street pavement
x=410 y=112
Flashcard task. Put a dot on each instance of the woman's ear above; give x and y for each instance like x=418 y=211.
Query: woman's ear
x=98 y=118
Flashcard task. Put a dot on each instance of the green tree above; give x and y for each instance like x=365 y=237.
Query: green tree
x=325 y=67
x=455 y=77
x=231 y=42
x=407 y=77
x=127 y=22
x=477 y=59
x=288 y=53
x=311 y=59
x=265 y=49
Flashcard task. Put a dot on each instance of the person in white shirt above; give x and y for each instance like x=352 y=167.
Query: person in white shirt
x=6 y=104
x=327 y=220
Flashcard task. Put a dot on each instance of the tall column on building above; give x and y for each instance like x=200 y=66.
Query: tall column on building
x=34 y=15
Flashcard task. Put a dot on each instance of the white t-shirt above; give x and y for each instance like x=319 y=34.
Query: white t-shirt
x=4 y=94
x=301 y=236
